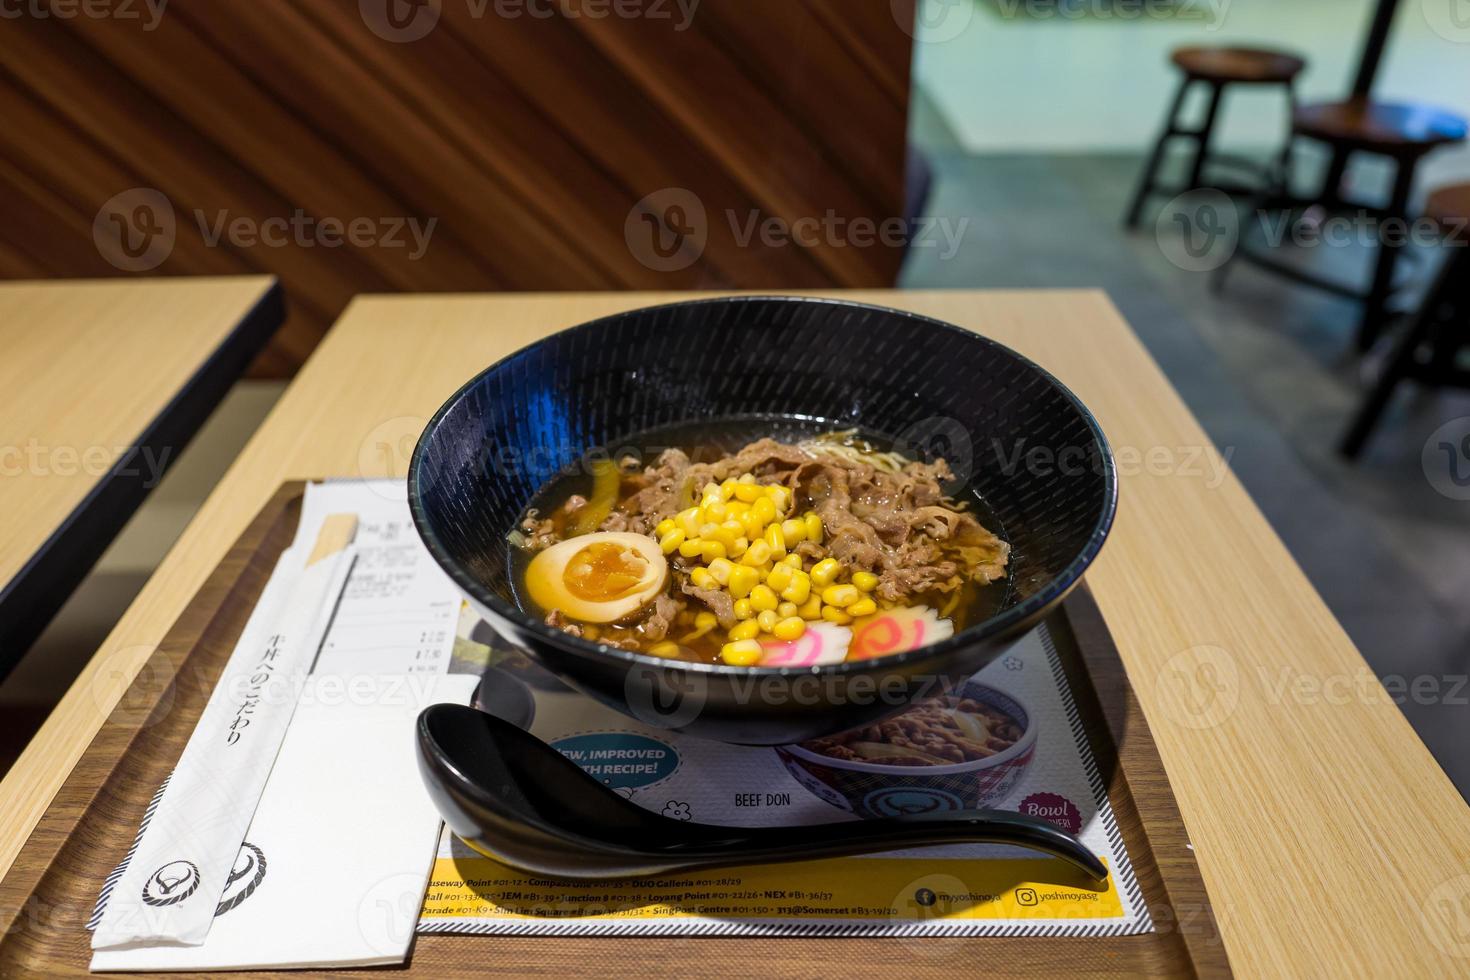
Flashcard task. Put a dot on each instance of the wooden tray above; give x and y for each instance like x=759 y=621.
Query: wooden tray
x=48 y=895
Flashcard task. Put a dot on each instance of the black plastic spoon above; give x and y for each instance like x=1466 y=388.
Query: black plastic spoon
x=514 y=798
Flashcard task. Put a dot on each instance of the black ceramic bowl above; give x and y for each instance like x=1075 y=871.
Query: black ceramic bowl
x=1029 y=448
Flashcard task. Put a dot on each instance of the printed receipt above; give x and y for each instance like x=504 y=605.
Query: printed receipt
x=398 y=612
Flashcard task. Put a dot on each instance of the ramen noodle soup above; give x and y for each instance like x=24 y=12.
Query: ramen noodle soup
x=940 y=731
x=797 y=553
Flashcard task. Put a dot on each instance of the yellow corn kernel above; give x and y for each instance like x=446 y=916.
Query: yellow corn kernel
x=786 y=609
x=743 y=578
x=748 y=492
x=664 y=527
x=757 y=554
x=834 y=615
x=714 y=511
x=710 y=550
x=745 y=478
x=841 y=595
x=708 y=529
x=779 y=577
x=811 y=609
x=668 y=648
x=762 y=598
x=766 y=619
x=824 y=572
x=863 y=607
x=751 y=527
x=776 y=540
x=743 y=609
x=705 y=620
x=799 y=589
x=671 y=541
x=746 y=629
x=688 y=520
x=737 y=507
x=702 y=578
x=730 y=529
x=727 y=489
x=691 y=547
x=719 y=568
x=780 y=496
x=866 y=581
x=788 y=629
x=710 y=490
x=741 y=653
x=763 y=510
x=813 y=527
x=794 y=530
x=738 y=546
x=793 y=560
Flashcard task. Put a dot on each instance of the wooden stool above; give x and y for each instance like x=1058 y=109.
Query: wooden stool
x=1426 y=351
x=1215 y=68
x=1403 y=134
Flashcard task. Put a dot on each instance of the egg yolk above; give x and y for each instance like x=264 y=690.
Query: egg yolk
x=603 y=572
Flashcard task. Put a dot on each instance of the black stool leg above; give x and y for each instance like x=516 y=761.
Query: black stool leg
x=1450 y=332
x=1282 y=179
x=1155 y=158
x=1277 y=187
x=1445 y=341
x=1401 y=361
x=1378 y=293
x=1332 y=182
x=1202 y=146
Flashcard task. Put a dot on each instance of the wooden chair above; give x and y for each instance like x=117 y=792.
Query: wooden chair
x=1215 y=68
x=1403 y=134
x=1426 y=350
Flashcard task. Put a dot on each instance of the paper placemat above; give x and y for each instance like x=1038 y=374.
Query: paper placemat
x=957 y=890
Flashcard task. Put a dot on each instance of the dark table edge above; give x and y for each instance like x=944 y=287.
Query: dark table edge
x=44 y=583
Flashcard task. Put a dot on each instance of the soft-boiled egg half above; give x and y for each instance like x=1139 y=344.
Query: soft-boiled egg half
x=598 y=578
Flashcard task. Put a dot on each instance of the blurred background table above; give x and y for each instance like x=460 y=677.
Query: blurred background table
x=1329 y=839
x=102 y=384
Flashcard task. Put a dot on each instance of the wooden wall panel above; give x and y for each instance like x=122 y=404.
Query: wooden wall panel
x=529 y=130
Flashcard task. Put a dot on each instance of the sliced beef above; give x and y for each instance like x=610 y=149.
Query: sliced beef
x=767 y=459
x=897 y=524
x=718 y=601
x=556 y=620
x=656 y=495
x=660 y=619
x=540 y=532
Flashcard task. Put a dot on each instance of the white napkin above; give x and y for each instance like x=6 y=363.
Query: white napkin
x=182 y=862
x=337 y=858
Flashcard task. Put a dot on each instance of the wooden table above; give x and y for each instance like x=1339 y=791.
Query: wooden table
x=1330 y=841
x=102 y=384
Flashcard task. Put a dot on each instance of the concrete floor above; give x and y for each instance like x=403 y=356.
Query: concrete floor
x=1268 y=369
